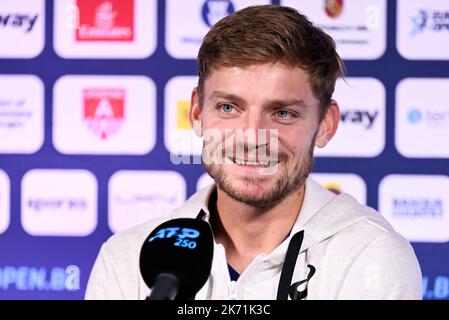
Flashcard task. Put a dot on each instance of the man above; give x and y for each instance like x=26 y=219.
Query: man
x=268 y=70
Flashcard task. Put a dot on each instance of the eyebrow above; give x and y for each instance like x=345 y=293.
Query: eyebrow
x=228 y=96
x=275 y=103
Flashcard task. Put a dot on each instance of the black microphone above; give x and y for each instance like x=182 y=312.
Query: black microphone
x=176 y=259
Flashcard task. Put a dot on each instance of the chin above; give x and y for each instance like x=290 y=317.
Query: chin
x=253 y=190
x=259 y=183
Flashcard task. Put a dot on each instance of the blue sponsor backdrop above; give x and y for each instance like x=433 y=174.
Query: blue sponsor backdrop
x=58 y=267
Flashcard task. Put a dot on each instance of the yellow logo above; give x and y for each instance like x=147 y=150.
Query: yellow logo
x=335 y=187
x=183 y=114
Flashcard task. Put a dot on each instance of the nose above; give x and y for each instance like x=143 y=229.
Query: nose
x=254 y=121
x=255 y=130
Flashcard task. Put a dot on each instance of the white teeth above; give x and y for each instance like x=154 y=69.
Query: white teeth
x=253 y=163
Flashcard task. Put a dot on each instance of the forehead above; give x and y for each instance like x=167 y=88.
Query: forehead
x=260 y=81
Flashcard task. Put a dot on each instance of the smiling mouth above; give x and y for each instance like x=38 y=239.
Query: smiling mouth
x=262 y=164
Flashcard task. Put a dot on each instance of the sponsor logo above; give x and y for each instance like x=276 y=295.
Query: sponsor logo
x=105 y=28
x=339 y=183
x=138 y=196
x=365 y=118
x=43 y=204
x=215 y=10
x=430 y=20
x=428 y=117
x=22 y=21
x=334 y=187
x=333 y=8
x=151 y=199
x=179 y=138
x=33 y=278
x=435 y=287
x=14 y=113
x=414 y=116
x=422 y=118
x=184 y=36
x=100 y=20
x=21 y=114
x=421 y=27
x=183 y=115
x=417 y=206
x=180 y=234
x=104 y=110
x=358 y=27
x=362 y=121
x=59 y=202
x=104 y=115
x=22 y=32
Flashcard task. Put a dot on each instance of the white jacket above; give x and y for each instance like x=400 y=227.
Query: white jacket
x=356 y=255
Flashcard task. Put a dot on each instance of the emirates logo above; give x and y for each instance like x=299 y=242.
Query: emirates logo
x=100 y=20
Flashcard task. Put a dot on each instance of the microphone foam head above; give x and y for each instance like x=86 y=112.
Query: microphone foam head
x=183 y=247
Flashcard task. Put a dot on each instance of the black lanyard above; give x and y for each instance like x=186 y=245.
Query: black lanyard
x=289 y=266
x=285 y=287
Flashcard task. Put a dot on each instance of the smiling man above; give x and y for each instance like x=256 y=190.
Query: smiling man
x=256 y=211
x=263 y=103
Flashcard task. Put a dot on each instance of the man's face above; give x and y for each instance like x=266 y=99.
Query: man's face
x=274 y=97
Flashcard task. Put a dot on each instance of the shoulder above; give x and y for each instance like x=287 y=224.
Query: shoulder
x=370 y=231
x=385 y=268
x=121 y=251
x=131 y=239
x=384 y=264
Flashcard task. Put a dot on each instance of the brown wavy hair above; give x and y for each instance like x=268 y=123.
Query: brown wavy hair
x=268 y=34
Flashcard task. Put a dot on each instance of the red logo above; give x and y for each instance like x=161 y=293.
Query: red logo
x=333 y=7
x=105 y=20
x=104 y=110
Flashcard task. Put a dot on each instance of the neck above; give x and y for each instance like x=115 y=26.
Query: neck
x=246 y=231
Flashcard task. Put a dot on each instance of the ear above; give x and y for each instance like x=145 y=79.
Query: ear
x=195 y=113
x=328 y=125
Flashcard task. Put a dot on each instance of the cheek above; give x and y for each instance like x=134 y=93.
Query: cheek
x=211 y=121
x=295 y=142
x=213 y=125
x=216 y=123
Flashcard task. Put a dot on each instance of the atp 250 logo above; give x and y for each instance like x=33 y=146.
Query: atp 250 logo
x=182 y=236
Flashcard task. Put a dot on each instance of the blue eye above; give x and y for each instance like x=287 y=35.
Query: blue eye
x=227 y=108
x=283 y=113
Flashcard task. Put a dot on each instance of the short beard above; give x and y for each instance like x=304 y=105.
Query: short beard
x=286 y=183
